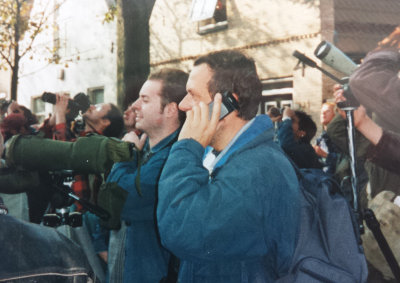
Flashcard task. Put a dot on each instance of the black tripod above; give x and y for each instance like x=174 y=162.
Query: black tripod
x=349 y=106
x=71 y=223
x=58 y=180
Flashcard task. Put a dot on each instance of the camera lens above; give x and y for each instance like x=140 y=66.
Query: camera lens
x=49 y=97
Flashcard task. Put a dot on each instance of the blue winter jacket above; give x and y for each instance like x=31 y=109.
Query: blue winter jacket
x=238 y=224
x=145 y=259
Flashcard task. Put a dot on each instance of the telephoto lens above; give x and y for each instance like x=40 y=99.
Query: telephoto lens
x=49 y=97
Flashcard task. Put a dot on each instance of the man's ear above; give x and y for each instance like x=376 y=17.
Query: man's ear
x=171 y=109
x=236 y=96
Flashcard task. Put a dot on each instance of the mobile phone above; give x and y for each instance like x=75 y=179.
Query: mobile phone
x=228 y=105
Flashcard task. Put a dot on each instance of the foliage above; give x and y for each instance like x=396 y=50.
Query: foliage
x=110 y=15
x=18 y=29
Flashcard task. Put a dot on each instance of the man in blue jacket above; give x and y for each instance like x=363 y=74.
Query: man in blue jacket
x=158 y=116
x=228 y=203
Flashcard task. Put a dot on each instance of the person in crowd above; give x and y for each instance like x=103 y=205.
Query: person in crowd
x=63 y=123
x=324 y=147
x=56 y=126
x=341 y=170
x=131 y=133
x=326 y=116
x=16 y=110
x=295 y=135
x=228 y=199
x=104 y=119
x=21 y=205
x=275 y=114
x=3 y=108
x=385 y=144
x=375 y=84
x=110 y=243
x=129 y=119
x=14 y=107
x=276 y=117
x=14 y=124
x=2 y=163
x=158 y=117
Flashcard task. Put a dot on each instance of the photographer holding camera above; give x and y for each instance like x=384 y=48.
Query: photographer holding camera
x=104 y=119
x=56 y=126
x=376 y=85
x=65 y=111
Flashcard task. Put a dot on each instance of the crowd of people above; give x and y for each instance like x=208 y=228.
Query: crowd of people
x=205 y=199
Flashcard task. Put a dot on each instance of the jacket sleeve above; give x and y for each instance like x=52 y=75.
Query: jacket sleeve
x=249 y=209
x=376 y=84
x=386 y=153
x=285 y=135
x=337 y=132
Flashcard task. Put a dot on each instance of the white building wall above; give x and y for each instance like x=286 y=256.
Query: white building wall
x=250 y=23
x=267 y=30
x=88 y=54
x=5 y=84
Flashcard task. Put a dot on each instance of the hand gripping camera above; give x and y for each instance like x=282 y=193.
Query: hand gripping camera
x=80 y=102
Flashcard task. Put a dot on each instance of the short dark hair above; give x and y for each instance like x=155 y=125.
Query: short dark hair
x=307 y=125
x=234 y=71
x=30 y=117
x=116 y=127
x=173 y=87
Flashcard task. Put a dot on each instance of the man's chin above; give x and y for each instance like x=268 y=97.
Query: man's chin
x=139 y=126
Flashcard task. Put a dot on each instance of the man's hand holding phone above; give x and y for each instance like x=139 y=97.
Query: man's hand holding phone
x=198 y=125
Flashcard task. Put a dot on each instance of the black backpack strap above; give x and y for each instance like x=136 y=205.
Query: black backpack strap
x=173 y=269
x=374 y=226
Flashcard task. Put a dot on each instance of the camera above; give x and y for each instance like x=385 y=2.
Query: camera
x=335 y=58
x=80 y=102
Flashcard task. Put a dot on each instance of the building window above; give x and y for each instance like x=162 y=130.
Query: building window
x=96 y=95
x=219 y=20
x=276 y=93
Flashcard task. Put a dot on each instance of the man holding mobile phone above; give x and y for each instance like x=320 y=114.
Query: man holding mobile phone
x=228 y=202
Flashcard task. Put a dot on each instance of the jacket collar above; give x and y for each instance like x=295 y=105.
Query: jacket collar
x=253 y=129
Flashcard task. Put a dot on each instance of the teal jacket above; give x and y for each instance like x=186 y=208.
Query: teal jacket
x=238 y=223
x=145 y=259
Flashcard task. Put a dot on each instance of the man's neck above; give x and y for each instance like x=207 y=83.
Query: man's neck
x=227 y=131
x=156 y=136
x=130 y=129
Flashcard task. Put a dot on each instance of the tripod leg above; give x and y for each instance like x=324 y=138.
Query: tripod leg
x=374 y=226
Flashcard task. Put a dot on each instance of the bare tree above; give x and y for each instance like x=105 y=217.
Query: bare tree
x=18 y=30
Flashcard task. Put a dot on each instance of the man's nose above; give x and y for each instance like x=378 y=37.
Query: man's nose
x=136 y=104
x=186 y=104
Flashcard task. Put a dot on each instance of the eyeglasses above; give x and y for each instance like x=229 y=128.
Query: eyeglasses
x=99 y=106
